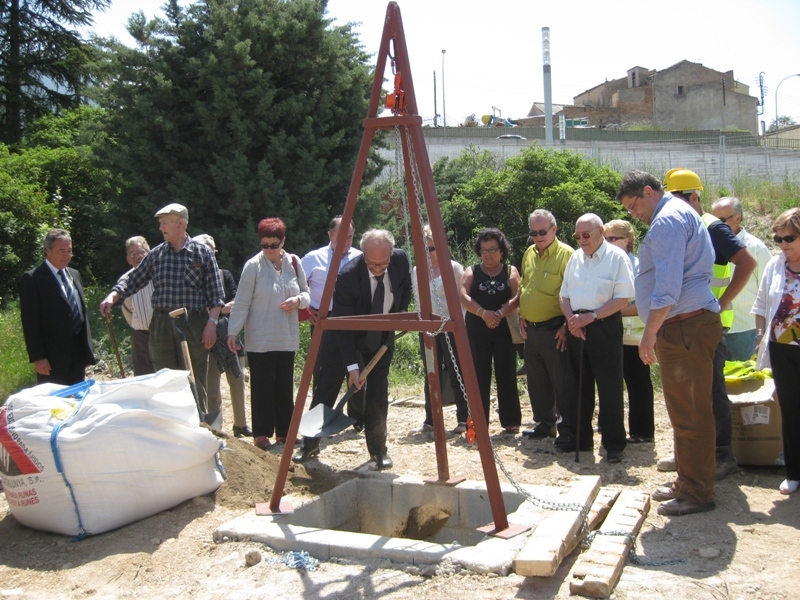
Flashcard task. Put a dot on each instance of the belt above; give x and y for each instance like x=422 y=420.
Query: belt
x=684 y=316
x=169 y=310
x=548 y=322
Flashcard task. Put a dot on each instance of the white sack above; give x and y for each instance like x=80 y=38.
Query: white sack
x=130 y=449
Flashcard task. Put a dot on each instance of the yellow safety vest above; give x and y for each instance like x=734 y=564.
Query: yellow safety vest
x=720 y=279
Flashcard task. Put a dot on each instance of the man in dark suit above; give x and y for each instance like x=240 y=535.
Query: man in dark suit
x=378 y=281
x=54 y=315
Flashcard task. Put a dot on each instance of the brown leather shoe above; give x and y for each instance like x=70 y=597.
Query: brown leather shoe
x=262 y=442
x=678 y=507
x=663 y=494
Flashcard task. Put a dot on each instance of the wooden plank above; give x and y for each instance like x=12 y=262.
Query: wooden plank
x=558 y=532
x=602 y=506
x=597 y=571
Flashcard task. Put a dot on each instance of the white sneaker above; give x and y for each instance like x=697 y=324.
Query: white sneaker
x=789 y=486
x=667 y=464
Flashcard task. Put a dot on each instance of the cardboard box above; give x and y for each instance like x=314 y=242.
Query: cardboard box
x=757 y=433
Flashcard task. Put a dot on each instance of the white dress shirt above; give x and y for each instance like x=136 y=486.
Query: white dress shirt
x=591 y=281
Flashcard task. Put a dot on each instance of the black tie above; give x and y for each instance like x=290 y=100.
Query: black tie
x=374 y=337
x=75 y=307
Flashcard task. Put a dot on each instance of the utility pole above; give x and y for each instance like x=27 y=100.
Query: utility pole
x=444 y=106
x=435 y=110
x=548 y=92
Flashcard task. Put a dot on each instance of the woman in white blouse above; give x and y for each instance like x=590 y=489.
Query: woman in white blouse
x=439 y=306
x=271 y=290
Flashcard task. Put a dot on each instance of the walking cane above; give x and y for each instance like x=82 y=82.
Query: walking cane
x=580 y=396
x=114 y=343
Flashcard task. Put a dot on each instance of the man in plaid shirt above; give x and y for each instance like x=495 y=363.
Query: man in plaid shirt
x=184 y=274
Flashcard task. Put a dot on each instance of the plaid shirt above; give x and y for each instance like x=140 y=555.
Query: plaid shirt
x=189 y=278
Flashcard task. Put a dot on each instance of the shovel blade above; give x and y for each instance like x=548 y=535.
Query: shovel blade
x=322 y=421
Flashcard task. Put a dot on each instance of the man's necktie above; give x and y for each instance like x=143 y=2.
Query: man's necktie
x=74 y=305
x=374 y=337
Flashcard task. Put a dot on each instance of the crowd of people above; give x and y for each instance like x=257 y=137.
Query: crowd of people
x=593 y=319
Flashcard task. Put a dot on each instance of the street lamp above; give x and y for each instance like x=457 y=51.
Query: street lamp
x=776 y=96
x=444 y=106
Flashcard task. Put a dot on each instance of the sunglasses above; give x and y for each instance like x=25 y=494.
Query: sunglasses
x=614 y=238
x=787 y=238
x=585 y=235
x=489 y=250
x=539 y=233
x=274 y=246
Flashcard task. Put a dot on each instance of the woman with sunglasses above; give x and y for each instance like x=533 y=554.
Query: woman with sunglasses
x=777 y=315
x=489 y=292
x=641 y=420
x=271 y=290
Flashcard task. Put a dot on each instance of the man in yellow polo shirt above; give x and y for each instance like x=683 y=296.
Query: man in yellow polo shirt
x=551 y=381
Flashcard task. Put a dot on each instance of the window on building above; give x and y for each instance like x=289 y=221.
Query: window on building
x=680 y=90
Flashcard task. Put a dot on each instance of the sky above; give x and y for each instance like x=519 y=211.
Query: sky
x=493 y=50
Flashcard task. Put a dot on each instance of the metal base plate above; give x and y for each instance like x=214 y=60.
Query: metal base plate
x=285 y=508
x=451 y=481
x=506 y=533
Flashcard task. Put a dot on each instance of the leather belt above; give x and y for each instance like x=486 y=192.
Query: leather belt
x=548 y=322
x=684 y=316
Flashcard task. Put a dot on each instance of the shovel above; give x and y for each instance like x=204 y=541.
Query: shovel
x=322 y=420
x=208 y=418
x=114 y=343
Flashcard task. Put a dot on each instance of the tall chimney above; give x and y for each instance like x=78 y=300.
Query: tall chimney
x=548 y=91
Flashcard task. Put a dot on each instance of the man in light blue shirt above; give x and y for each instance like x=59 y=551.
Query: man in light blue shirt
x=315 y=263
x=682 y=327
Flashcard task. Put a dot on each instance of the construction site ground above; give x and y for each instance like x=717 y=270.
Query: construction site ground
x=746 y=548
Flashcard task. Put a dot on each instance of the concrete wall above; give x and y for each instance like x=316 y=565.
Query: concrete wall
x=714 y=164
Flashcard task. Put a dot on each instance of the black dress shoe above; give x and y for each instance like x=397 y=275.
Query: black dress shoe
x=306 y=454
x=242 y=431
x=614 y=456
x=540 y=432
x=382 y=461
x=567 y=444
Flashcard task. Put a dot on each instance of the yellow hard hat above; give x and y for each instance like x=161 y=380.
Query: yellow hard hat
x=681 y=180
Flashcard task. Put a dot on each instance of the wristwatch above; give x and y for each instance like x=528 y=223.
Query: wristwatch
x=213 y=320
x=594 y=314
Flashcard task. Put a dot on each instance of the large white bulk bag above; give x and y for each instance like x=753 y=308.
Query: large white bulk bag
x=128 y=449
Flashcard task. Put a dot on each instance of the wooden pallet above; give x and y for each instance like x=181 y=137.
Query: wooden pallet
x=598 y=570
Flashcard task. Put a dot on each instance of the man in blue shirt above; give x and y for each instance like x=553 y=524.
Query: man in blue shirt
x=683 y=327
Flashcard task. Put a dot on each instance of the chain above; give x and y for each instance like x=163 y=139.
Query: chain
x=588 y=536
x=418 y=190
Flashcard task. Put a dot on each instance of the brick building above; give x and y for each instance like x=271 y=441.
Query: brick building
x=685 y=96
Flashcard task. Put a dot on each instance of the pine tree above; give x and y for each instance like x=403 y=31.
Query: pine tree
x=44 y=65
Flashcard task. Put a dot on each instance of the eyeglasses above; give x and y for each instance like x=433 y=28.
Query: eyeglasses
x=431 y=249
x=787 y=238
x=139 y=253
x=274 y=246
x=489 y=250
x=725 y=219
x=585 y=235
x=539 y=233
x=614 y=238
x=632 y=207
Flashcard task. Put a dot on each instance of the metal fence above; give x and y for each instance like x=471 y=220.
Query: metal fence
x=718 y=159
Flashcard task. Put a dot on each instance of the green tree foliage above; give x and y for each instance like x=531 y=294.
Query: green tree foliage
x=239 y=110
x=44 y=65
x=53 y=180
x=25 y=212
x=562 y=182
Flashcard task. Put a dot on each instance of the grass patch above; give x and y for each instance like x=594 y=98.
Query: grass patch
x=16 y=372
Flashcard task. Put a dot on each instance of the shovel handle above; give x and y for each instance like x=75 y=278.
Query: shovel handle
x=177 y=312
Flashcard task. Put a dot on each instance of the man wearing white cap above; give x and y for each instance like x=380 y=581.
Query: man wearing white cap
x=184 y=274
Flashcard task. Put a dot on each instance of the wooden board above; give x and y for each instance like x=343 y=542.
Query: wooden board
x=557 y=533
x=598 y=570
x=602 y=506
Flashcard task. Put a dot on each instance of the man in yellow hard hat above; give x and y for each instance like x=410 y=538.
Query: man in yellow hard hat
x=726 y=283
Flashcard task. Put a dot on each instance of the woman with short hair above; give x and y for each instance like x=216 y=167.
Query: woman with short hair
x=777 y=315
x=490 y=292
x=271 y=290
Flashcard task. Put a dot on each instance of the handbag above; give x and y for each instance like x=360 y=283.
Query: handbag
x=513 y=323
x=303 y=314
